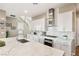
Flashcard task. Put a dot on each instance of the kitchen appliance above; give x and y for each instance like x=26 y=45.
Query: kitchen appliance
x=50 y=35
x=48 y=42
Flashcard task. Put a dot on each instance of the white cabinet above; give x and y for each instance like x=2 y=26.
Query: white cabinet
x=36 y=38
x=64 y=21
x=56 y=44
x=41 y=39
x=29 y=37
x=66 y=46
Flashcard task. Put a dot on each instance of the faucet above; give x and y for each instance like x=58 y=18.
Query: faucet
x=65 y=36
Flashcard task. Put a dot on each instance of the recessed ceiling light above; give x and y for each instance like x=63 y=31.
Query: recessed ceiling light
x=35 y=3
x=2 y=18
x=25 y=11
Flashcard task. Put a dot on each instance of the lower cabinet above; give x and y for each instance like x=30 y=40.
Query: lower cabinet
x=56 y=44
x=36 y=38
x=65 y=46
x=67 y=49
x=41 y=39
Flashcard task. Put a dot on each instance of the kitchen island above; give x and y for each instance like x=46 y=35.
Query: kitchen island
x=30 y=48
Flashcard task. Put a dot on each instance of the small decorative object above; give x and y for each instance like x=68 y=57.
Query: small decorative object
x=2 y=43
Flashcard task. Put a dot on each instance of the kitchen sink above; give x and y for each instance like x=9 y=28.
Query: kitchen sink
x=23 y=40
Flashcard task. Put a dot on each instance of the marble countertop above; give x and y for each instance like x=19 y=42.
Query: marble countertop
x=15 y=48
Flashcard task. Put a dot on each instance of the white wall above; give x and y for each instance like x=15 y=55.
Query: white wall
x=3 y=26
x=64 y=21
x=39 y=22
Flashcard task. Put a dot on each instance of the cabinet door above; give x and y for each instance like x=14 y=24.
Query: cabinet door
x=41 y=39
x=56 y=44
x=64 y=21
x=35 y=38
x=30 y=37
x=63 y=46
x=66 y=48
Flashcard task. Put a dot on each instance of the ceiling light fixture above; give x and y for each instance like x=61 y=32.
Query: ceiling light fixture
x=2 y=18
x=35 y=3
x=25 y=11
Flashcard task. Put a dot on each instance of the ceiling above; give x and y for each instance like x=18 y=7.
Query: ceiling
x=33 y=10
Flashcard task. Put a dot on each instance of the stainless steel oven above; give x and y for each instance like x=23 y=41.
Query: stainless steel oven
x=48 y=42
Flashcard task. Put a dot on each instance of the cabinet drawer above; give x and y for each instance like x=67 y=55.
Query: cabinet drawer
x=56 y=45
x=41 y=40
x=36 y=38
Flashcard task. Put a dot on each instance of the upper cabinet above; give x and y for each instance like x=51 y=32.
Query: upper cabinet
x=65 y=20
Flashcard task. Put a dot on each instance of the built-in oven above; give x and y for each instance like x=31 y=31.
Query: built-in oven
x=50 y=36
x=48 y=42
